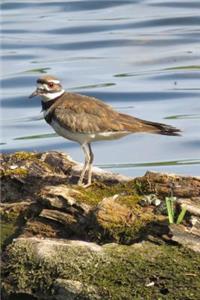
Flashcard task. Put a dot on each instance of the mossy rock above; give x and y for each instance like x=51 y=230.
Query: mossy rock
x=141 y=271
x=99 y=190
x=9 y=226
x=13 y=217
x=121 y=219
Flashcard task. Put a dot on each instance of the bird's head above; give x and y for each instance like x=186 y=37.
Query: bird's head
x=48 y=87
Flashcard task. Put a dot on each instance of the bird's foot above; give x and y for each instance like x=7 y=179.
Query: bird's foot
x=84 y=185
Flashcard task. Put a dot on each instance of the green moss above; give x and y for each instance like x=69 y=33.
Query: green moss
x=23 y=155
x=17 y=158
x=130 y=200
x=9 y=216
x=122 y=221
x=23 y=162
x=31 y=157
x=170 y=268
x=7 y=230
x=11 y=220
x=94 y=194
x=116 y=223
x=8 y=225
x=117 y=272
x=141 y=186
x=17 y=171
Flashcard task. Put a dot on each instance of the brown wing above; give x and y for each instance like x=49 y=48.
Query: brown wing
x=80 y=113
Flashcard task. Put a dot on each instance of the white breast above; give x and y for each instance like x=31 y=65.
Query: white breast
x=83 y=138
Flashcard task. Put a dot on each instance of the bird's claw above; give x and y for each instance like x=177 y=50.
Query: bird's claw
x=84 y=185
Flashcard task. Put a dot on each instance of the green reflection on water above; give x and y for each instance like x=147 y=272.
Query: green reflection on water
x=125 y=75
x=92 y=86
x=193 y=68
x=151 y=164
x=37 y=136
x=151 y=72
x=194 y=116
x=38 y=70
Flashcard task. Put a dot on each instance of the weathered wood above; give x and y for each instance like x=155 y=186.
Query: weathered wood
x=58 y=216
x=169 y=184
x=24 y=174
x=63 y=198
x=192 y=205
x=185 y=237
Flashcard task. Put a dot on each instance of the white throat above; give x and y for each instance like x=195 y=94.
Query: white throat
x=51 y=96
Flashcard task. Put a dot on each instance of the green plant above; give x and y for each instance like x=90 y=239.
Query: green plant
x=170 y=204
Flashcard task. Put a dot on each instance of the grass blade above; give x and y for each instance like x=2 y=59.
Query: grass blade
x=181 y=215
x=170 y=210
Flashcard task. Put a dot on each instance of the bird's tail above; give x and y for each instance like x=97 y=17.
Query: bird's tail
x=133 y=124
x=163 y=129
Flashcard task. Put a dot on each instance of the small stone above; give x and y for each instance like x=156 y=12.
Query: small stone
x=68 y=289
x=152 y=283
x=156 y=202
x=194 y=220
x=13 y=167
x=150 y=199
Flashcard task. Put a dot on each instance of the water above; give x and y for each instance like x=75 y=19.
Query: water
x=142 y=57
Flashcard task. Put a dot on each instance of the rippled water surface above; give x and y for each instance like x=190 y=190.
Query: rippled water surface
x=142 y=57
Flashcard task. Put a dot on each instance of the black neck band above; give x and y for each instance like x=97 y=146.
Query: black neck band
x=47 y=104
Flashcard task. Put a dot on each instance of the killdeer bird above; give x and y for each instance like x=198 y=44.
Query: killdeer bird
x=86 y=119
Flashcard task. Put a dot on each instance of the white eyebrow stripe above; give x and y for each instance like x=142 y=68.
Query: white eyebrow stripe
x=54 y=81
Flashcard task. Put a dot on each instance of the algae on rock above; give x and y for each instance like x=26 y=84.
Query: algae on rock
x=141 y=271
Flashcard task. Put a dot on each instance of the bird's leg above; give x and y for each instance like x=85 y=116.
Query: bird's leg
x=90 y=165
x=86 y=151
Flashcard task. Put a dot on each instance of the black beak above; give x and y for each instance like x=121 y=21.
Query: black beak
x=34 y=94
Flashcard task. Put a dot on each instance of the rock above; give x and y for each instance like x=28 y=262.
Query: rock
x=24 y=174
x=167 y=184
x=193 y=213
x=101 y=175
x=183 y=236
x=61 y=161
x=70 y=223
x=64 y=198
x=61 y=269
x=122 y=221
x=151 y=199
x=50 y=251
x=29 y=176
x=72 y=289
x=192 y=205
x=58 y=216
x=67 y=289
x=62 y=210
x=44 y=181
x=13 y=217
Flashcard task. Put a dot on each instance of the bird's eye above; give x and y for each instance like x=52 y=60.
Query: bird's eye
x=50 y=84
